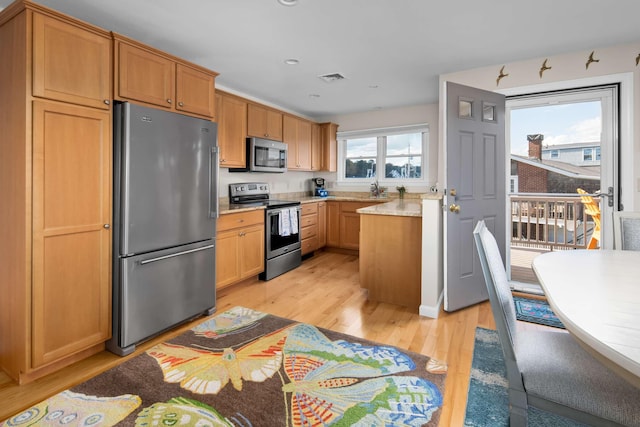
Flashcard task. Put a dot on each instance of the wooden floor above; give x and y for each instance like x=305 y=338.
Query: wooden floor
x=325 y=292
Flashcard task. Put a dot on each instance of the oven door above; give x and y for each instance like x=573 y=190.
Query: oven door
x=282 y=231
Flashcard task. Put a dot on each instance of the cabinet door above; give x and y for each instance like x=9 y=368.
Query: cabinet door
x=350 y=230
x=144 y=76
x=232 y=125
x=297 y=134
x=304 y=145
x=70 y=63
x=322 y=224
x=316 y=147
x=252 y=251
x=329 y=147
x=290 y=137
x=72 y=176
x=264 y=123
x=195 y=91
x=227 y=253
x=333 y=224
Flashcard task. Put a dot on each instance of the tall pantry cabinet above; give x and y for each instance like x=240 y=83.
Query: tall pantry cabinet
x=55 y=187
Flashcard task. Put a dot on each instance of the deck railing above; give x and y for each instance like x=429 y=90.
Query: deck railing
x=550 y=221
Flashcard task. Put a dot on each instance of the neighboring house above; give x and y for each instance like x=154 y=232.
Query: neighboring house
x=579 y=154
x=536 y=173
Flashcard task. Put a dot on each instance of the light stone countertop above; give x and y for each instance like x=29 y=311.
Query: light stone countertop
x=397 y=207
x=412 y=204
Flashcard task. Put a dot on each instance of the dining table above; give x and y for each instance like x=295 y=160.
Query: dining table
x=596 y=295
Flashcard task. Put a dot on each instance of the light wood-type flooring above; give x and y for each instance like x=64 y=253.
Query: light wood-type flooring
x=325 y=292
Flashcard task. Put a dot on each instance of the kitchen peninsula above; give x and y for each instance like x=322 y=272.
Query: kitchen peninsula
x=391 y=252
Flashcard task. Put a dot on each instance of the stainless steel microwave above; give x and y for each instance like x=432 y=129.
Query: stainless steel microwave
x=264 y=155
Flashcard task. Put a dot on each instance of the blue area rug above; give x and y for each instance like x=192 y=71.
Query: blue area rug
x=487 y=399
x=536 y=311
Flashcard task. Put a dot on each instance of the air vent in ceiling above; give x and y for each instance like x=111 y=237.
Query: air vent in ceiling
x=333 y=77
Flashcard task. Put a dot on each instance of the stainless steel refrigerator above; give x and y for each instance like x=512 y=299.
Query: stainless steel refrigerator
x=165 y=210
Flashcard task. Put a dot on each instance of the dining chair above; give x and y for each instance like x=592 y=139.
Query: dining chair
x=626 y=230
x=592 y=208
x=549 y=370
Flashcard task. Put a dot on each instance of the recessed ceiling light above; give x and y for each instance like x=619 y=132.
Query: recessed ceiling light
x=291 y=61
x=288 y=2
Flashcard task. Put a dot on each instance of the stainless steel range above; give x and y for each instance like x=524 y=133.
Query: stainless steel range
x=282 y=226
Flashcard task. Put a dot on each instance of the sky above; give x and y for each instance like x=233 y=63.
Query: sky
x=560 y=124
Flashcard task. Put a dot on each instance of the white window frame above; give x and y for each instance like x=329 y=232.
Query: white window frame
x=381 y=134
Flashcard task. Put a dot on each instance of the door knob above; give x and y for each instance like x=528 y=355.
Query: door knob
x=454 y=208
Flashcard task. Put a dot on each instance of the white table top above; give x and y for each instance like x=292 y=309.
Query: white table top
x=596 y=294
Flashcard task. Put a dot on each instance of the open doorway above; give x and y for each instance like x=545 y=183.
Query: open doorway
x=560 y=142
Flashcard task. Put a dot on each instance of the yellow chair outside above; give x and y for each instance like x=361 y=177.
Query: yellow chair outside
x=592 y=208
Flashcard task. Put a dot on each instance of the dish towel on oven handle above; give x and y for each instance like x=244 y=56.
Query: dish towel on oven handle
x=293 y=215
x=284 y=223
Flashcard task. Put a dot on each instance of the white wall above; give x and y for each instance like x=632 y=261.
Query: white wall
x=569 y=70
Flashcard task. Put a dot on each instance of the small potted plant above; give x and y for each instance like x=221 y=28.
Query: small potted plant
x=401 y=191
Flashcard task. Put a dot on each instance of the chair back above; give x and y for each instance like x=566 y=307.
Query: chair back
x=592 y=208
x=626 y=230
x=501 y=300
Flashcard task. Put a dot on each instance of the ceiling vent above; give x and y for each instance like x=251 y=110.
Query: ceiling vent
x=333 y=77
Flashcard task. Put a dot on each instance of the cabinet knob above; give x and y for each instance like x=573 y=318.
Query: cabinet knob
x=168 y=101
x=222 y=160
x=107 y=102
x=107 y=226
x=266 y=134
x=180 y=104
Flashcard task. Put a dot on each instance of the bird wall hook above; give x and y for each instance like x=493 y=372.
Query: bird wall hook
x=637 y=59
x=544 y=68
x=590 y=60
x=501 y=75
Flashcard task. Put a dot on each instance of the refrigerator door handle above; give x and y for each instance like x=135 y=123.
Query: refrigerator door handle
x=213 y=182
x=160 y=258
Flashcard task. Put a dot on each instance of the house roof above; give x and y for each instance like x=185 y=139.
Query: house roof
x=562 y=168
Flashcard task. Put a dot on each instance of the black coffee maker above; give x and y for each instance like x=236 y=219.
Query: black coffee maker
x=320 y=191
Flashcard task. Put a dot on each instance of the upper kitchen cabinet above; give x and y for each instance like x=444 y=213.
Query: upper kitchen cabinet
x=232 y=125
x=297 y=135
x=328 y=135
x=71 y=62
x=152 y=77
x=316 y=147
x=264 y=122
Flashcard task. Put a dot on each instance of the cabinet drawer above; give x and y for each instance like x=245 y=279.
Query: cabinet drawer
x=309 y=208
x=230 y=221
x=308 y=220
x=309 y=245
x=306 y=232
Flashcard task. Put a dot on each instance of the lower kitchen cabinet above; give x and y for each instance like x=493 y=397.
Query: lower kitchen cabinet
x=309 y=227
x=343 y=223
x=240 y=247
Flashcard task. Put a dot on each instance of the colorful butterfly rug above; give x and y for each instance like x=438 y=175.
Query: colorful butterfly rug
x=246 y=368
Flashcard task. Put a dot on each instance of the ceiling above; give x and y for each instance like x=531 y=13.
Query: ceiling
x=390 y=52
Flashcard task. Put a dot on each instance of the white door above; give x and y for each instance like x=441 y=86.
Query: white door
x=475 y=187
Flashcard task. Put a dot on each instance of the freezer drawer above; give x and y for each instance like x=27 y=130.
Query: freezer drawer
x=161 y=289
